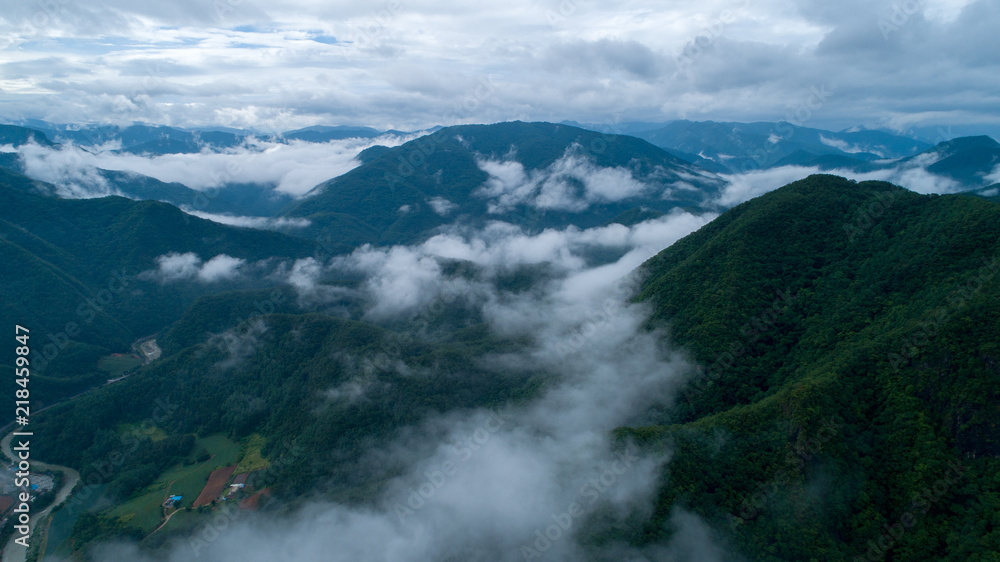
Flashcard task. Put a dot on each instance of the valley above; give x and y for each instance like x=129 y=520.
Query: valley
x=541 y=281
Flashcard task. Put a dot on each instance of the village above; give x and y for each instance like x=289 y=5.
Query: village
x=42 y=486
x=222 y=486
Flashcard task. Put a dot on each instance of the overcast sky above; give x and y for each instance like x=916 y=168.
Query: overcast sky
x=410 y=64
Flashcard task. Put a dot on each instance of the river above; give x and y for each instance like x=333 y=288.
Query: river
x=14 y=552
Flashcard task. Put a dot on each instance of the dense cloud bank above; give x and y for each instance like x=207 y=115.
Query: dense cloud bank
x=518 y=482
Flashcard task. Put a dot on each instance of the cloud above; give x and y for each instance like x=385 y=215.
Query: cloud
x=184 y=63
x=294 y=167
x=844 y=146
x=523 y=478
x=305 y=277
x=174 y=267
x=571 y=183
x=66 y=169
x=262 y=223
x=994 y=176
x=239 y=344
x=519 y=480
x=441 y=206
x=743 y=187
x=220 y=268
x=402 y=279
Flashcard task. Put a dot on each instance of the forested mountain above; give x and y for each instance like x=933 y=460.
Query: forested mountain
x=69 y=251
x=969 y=162
x=845 y=400
x=534 y=175
x=847 y=334
x=742 y=147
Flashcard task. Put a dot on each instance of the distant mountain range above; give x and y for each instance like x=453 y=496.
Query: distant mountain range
x=160 y=139
x=535 y=175
x=971 y=162
x=427 y=182
x=848 y=360
x=743 y=147
x=842 y=334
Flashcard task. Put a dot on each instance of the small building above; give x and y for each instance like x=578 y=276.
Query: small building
x=172 y=500
x=238 y=482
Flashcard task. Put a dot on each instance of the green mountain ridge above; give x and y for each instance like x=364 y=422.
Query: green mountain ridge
x=864 y=308
x=846 y=334
x=388 y=199
x=71 y=254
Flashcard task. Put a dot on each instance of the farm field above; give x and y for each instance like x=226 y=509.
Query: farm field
x=115 y=366
x=216 y=483
x=145 y=511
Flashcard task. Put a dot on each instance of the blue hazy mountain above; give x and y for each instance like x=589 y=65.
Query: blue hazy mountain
x=744 y=147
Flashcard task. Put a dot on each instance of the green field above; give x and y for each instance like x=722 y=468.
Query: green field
x=184 y=520
x=251 y=458
x=155 y=433
x=115 y=366
x=145 y=511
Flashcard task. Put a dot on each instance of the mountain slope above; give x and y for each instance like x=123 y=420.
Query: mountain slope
x=17 y=136
x=62 y=254
x=848 y=337
x=536 y=175
x=966 y=160
x=971 y=162
x=749 y=146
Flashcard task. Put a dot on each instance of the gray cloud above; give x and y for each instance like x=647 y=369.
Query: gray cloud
x=571 y=183
x=174 y=267
x=915 y=177
x=294 y=167
x=506 y=484
x=409 y=65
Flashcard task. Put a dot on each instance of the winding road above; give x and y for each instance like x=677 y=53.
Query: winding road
x=13 y=552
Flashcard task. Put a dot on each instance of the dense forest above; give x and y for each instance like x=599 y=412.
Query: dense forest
x=850 y=365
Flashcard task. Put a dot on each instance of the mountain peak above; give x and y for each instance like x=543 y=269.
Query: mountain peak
x=967 y=143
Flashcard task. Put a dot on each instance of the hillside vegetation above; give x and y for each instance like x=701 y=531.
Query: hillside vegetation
x=847 y=338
